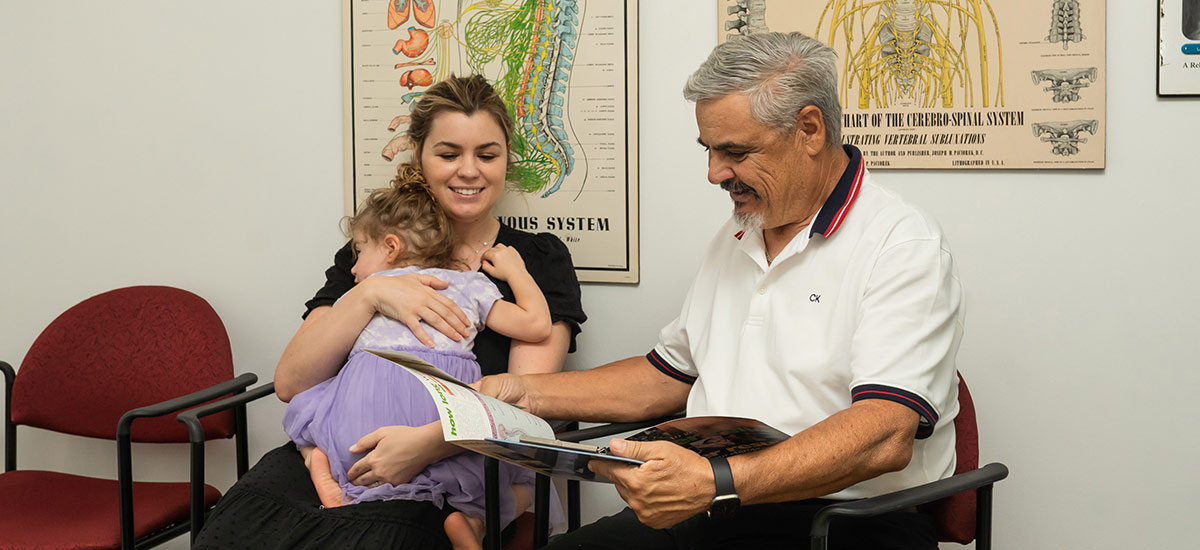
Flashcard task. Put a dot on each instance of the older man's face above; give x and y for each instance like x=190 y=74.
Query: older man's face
x=762 y=169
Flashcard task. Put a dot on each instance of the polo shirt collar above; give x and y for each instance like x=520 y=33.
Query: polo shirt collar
x=830 y=217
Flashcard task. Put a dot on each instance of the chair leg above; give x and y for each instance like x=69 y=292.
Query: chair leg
x=541 y=511
x=243 y=452
x=983 y=518
x=573 y=513
x=197 y=490
x=491 y=473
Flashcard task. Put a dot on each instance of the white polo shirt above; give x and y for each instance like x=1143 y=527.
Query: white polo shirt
x=866 y=304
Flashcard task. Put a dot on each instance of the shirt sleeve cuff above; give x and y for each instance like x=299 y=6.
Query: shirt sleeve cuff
x=666 y=368
x=929 y=416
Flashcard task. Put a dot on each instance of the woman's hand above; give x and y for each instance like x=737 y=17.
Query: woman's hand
x=412 y=298
x=398 y=453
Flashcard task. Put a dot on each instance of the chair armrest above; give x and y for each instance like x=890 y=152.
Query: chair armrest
x=10 y=431
x=235 y=385
x=191 y=419
x=605 y=430
x=921 y=494
x=124 y=447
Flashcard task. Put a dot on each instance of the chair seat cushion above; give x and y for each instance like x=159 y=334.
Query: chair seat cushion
x=51 y=510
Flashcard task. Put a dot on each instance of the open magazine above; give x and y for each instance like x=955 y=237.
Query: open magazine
x=503 y=431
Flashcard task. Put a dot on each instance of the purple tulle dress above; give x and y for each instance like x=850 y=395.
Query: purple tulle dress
x=370 y=392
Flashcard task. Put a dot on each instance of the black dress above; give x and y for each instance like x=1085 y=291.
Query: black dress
x=275 y=505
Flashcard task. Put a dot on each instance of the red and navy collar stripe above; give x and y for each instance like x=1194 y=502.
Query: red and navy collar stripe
x=839 y=202
x=664 y=367
x=929 y=416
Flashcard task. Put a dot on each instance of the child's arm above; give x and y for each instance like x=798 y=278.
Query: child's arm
x=527 y=320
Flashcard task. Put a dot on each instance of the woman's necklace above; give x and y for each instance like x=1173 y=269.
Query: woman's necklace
x=484 y=246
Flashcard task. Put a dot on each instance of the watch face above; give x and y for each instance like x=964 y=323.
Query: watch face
x=724 y=506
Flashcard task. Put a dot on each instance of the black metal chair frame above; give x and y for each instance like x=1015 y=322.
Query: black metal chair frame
x=541 y=507
x=191 y=419
x=981 y=480
x=125 y=450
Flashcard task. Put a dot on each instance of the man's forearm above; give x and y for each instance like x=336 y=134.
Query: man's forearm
x=624 y=391
x=868 y=439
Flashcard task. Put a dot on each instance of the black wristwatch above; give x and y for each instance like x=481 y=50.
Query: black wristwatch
x=726 y=502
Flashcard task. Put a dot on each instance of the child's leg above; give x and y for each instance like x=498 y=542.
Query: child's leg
x=322 y=476
x=466 y=532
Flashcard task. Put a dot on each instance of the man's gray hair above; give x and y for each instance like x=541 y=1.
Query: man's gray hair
x=781 y=72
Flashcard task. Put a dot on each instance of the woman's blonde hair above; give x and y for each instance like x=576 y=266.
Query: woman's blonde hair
x=408 y=211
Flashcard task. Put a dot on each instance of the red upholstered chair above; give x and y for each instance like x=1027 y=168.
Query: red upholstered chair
x=129 y=354
x=961 y=504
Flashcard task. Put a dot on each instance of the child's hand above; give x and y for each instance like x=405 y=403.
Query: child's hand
x=503 y=262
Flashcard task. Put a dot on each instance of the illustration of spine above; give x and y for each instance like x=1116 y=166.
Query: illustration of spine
x=1065 y=134
x=1065 y=83
x=916 y=52
x=536 y=41
x=1064 y=23
x=750 y=17
x=905 y=36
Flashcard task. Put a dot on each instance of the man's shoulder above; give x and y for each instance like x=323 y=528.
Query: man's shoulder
x=880 y=209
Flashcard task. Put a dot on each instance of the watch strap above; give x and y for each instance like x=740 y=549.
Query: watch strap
x=725 y=502
x=723 y=476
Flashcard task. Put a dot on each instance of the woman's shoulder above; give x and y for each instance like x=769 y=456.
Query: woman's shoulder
x=538 y=243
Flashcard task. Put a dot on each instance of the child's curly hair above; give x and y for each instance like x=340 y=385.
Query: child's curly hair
x=407 y=210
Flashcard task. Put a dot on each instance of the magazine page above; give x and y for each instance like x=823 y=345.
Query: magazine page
x=466 y=413
x=714 y=436
x=549 y=458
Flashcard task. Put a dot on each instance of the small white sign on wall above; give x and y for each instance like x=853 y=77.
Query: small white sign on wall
x=1179 y=47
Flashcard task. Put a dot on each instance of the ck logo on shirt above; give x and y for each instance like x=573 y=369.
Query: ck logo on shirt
x=815 y=298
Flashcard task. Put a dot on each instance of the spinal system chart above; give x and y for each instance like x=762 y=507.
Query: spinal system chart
x=529 y=47
x=929 y=83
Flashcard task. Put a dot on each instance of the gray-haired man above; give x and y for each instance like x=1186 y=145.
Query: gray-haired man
x=826 y=307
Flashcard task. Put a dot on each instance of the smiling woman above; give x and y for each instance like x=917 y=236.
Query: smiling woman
x=461 y=132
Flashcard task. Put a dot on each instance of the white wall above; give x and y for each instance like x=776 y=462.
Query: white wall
x=200 y=146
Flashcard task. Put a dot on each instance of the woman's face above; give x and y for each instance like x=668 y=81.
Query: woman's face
x=465 y=159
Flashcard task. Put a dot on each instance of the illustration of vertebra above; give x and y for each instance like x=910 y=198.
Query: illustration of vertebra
x=535 y=40
x=1065 y=83
x=1065 y=135
x=750 y=17
x=1064 y=23
x=915 y=52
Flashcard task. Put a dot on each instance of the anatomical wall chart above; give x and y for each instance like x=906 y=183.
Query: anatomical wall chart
x=567 y=69
x=992 y=84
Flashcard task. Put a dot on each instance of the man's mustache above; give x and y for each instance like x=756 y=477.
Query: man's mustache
x=734 y=186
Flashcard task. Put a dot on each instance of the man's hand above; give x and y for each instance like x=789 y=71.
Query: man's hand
x=509 y=388
x=673 y=485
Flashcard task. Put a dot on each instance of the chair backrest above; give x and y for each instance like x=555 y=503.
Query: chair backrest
x=120 y=350
x=955 y=515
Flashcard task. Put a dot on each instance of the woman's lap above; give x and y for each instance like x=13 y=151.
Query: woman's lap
x=275 y=506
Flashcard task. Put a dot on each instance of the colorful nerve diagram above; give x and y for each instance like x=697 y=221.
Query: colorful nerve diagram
x=527 y=47
x=927 y=53
x=924 y=83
